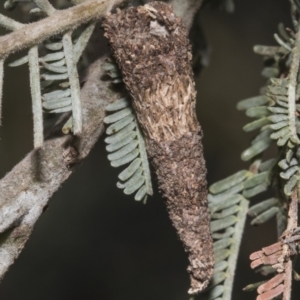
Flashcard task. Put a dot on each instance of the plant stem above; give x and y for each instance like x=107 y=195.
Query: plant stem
x=36 y=96
x=9 y=23
x=45 y=6
x=294 y=69
x=82 y=41
x=26 y=190
x=237 y=237
x=60 y=22
x=1 y=86
x=292 y=224
x=74 y=83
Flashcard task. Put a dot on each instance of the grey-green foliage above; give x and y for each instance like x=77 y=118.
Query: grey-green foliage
x=290 y=169
x=284 y=123
x=276 y=111
x=54 y=79
x=53 y=71
x=228 y=205
x=126 y=143
x=263 y=211
x=256 y=107
x=227 y=226
x=276 y=122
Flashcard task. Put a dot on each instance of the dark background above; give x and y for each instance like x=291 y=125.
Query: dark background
x=96 y=243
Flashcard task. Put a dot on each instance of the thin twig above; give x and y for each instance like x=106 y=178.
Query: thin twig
x=36 y=96
x=9 y=23
x=288 y=281
x=294 y=69
x=34 y=76
x=74 y=83
x=35 y=86
x=60 y=22
x=83 y=40
x=237 y=238
x=27 y=188
x=45 y=6
x=1 y=86
x=292 y=224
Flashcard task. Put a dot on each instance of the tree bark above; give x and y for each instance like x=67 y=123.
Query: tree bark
x=26 y=190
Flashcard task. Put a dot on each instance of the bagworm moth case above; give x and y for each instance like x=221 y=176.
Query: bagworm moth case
x=151 y=47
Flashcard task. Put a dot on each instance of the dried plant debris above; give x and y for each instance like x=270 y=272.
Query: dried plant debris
x=277 y=257
x=151 y=47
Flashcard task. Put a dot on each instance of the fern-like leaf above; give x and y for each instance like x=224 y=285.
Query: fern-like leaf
x=126 y=145
x=55 y=81
x=229 y=206
x=57 y=89
x=228 y=210
x=57 y=96
x=263 y=211
x=257 y=107
x=290 y=169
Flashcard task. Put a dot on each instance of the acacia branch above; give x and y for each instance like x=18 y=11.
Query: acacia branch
x=292 y=225
x=69 y=19
x=26 y=190
x=61 y=21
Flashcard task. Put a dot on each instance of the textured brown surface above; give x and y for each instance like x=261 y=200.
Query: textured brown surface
x=181 y=171
x=151 y=47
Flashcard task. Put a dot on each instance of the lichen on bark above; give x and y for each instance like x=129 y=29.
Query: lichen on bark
x=151 y=46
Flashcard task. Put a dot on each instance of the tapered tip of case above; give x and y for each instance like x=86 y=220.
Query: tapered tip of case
x=197 y=286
